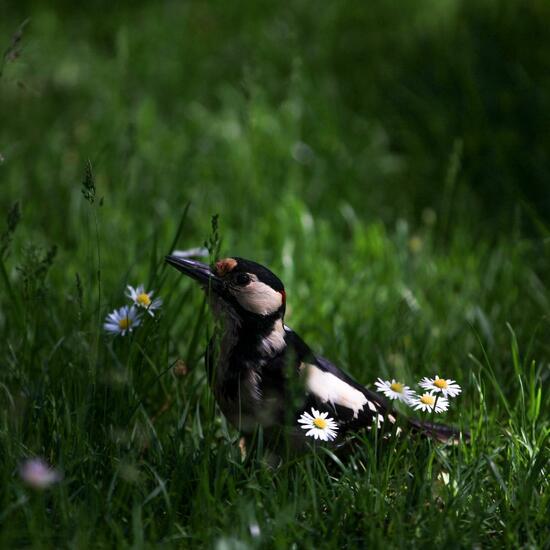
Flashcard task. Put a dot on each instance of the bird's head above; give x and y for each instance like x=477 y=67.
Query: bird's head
x=249 y=290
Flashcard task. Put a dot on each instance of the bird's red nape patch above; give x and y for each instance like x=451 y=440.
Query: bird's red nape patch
x=223 y=267
x=283 y=297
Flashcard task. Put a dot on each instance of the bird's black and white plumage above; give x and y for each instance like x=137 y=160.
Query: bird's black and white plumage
x=263 y=374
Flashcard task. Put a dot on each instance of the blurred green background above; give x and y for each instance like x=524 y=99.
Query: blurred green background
x=326 y=137
x=340 y=103
x=390 y=160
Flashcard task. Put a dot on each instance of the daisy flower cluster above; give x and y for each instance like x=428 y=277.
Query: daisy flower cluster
x=126 y=318
x=434 y=397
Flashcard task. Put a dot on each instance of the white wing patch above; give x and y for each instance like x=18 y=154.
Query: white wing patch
x=330 y=389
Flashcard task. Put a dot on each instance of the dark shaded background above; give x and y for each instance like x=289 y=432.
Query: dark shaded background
x=389 y=92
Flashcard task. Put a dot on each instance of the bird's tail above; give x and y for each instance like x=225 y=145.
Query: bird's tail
x=441 y=432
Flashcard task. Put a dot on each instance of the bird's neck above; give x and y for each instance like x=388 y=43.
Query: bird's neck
x=257 y=339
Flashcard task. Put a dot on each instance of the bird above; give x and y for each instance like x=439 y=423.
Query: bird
x=263 y=374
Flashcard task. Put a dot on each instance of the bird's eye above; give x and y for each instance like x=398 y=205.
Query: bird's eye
x=242 y=279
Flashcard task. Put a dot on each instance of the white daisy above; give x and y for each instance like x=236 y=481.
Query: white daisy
x=319 y=426
x=36 y=473
x=448 y=388
x=394 y=390
x=428 y=401
x=122 y=320
x=143 y=299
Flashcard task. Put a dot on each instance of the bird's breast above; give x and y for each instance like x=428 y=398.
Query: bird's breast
x=240 y=398
x=243 y=370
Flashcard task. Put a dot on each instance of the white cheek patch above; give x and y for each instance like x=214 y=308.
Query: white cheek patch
x=331 y=389
x=259 y=298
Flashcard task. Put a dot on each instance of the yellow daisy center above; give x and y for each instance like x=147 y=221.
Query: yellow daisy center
x=124 y=323
x=143 y=299
x=397 y=387
x=320 y=423
x=440 y=383
x=428 y=399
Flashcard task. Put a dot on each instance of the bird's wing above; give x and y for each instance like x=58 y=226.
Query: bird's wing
x=332 y=389
x=329 y=389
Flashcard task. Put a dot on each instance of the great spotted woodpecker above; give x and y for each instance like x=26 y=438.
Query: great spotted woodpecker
x=263 y=374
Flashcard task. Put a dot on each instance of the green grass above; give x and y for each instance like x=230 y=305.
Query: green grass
x=411 y=239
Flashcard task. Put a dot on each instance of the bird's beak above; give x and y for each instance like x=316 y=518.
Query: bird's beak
x=200 y=272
